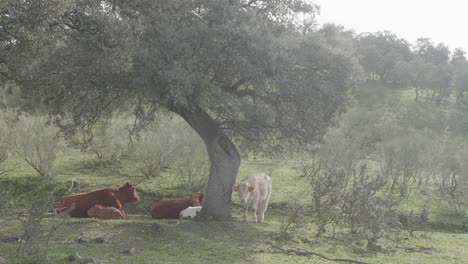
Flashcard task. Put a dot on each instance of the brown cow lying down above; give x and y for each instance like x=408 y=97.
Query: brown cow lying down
x=66 y=201
x=101 y=212
x=114 y=197
x=170 y=208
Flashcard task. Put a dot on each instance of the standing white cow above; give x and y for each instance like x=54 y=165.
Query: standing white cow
x=254 y=191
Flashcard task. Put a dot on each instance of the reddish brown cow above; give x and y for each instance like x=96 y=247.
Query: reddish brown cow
x=170 y=208
x=102 y=212
x=66 y=201
x=110 y=197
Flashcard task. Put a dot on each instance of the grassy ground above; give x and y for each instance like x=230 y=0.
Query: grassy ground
x=171 y=241
x=167 y=241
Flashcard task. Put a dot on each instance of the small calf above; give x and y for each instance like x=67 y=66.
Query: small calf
x=190 y=212
x=99 y=211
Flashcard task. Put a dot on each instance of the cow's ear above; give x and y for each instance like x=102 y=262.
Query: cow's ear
x=251 y=188
x=235 y=188
x=127 y=184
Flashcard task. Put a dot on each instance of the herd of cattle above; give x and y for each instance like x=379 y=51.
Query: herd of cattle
x=254 y=192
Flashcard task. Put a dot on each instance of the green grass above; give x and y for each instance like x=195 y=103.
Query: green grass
x=167 y=241
x=171 y=241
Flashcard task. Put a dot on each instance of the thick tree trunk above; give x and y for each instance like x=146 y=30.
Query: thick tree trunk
x=224 y=164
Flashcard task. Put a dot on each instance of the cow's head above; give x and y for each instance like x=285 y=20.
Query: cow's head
x=128 y=192
x=196 y=199
x=244 y=189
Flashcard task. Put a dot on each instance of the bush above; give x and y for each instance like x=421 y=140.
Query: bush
x=158 y=148
x=6 y=203
x=402 y=158
x=37 y=144
x=367 y=211
x=327 y=186
x=451 y=178
x=5 y=146
x=292 y=219
x=192 y=167
x=110 y=139
x=172 y=145
x=192 y=171
x=34 y=242
x=414 y=220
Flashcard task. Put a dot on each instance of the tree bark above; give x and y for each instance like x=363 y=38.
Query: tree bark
x=224 y=163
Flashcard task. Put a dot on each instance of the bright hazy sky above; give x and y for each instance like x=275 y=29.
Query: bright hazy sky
x=442 y=21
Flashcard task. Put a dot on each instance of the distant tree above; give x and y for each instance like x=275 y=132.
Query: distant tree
x=338 y=37
x=380 y=52
x=435 y=54
x=412 y=73
x=458 y=57
x=438 y=78
x=460 y=74
x=232 y=69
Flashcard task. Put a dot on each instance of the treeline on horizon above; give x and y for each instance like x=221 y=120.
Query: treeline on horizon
x=431 y=69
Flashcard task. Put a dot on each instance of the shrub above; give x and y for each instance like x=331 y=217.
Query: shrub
x=451 y=178
x=157 y=148
x=172 y=145
x=192 y=171
x=293 y=219
x=6 y=203
x=4 y=144
x=402 y=158
x=327 y=187
x=110 y=138
x=37 y=143
x=413 y=220
x=34 y=242
x=192 y=165
x=366 y=210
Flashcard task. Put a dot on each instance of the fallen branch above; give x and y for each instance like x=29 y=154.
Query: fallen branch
x=310 y=253
x=75 y=258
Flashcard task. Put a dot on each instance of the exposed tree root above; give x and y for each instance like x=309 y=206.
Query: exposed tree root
x=310 y=253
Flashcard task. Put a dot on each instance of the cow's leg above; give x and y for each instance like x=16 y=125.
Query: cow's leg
x=264 y=205
x=261 y=213
x=261 y=210
x=255 y=215
x=246 y=209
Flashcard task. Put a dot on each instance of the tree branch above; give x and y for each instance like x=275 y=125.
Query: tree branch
x=310 y=253
x=241 y=81
x=249 y=4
